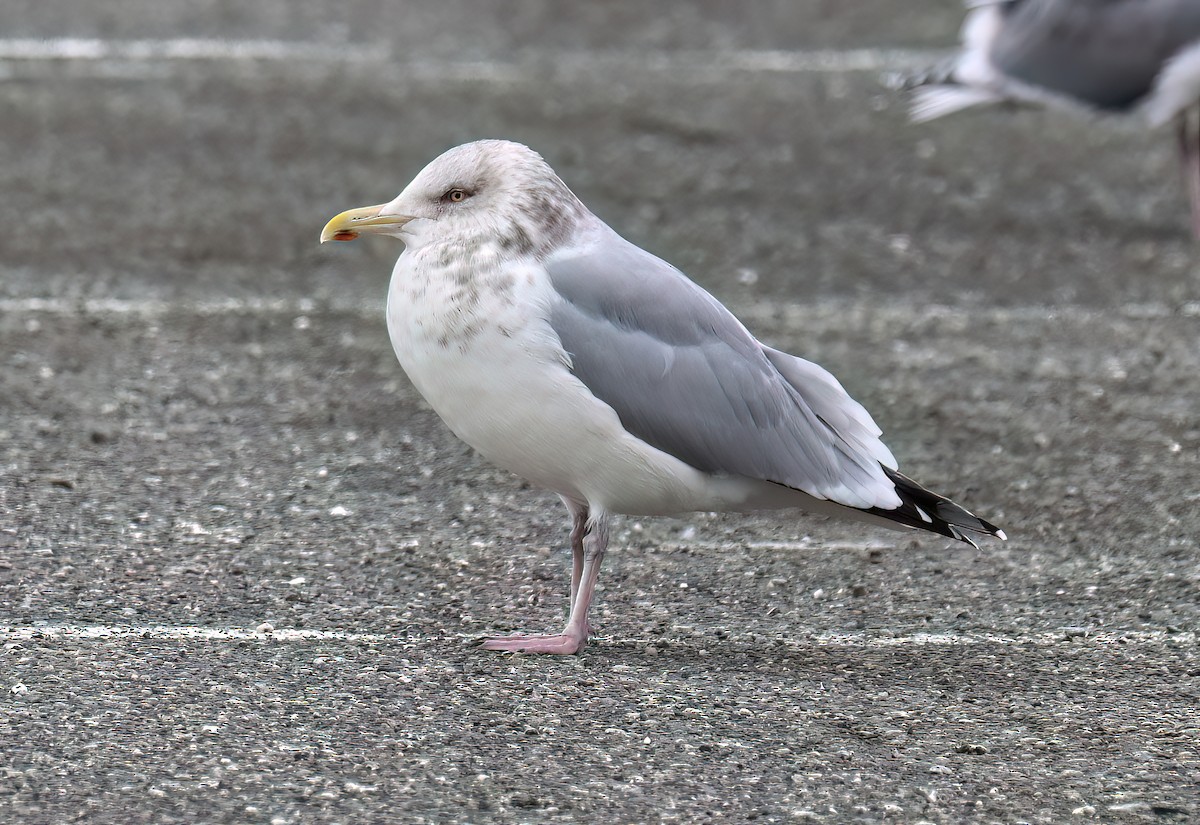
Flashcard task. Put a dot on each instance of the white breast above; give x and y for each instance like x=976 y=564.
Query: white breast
x=486 y=359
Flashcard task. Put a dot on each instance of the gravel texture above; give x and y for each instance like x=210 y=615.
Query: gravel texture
x=243 y=566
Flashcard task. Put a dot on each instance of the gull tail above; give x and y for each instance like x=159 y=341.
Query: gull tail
x=969 y=77
x=937 y=91
x=926 y=510
x=932 y=102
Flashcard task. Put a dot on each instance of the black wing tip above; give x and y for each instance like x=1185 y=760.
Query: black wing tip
x=926 y=510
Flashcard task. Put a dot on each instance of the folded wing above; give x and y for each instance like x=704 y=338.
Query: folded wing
x=685 y=376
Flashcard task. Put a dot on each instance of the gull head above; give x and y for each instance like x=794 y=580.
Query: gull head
x=489 y=190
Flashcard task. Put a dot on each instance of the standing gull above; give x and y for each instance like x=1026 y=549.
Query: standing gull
x=564 y=353
x=1137 y=56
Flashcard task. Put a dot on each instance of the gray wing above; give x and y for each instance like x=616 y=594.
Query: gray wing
x=1104 y=52
x=685 y=376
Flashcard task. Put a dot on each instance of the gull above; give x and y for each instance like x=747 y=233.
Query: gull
x=588 y=366
x=1134 y=56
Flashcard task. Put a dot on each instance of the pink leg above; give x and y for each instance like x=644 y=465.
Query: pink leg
x=589 y=540
x=1194 y=177
x=579 y=517
x=1189 y=152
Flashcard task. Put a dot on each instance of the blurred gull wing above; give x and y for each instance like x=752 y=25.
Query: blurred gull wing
x=1105 y=53
x=1136 y=56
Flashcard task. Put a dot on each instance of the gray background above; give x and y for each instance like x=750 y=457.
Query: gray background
x=242 y=565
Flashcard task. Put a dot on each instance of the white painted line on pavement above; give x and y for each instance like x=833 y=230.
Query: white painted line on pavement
x=815 y=61
x=687 y=64
x=1075 y=636
x=765 y=309
x=103 y=632
x=153 y=307
x=1065 y=635
x=82 y=48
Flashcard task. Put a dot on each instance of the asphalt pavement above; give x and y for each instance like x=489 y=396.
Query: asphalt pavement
x=243 y=567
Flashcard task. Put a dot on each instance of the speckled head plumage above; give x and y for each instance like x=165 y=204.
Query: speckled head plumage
x=494 y=189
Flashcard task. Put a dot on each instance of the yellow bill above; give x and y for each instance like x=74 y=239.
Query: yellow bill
x=366 y=219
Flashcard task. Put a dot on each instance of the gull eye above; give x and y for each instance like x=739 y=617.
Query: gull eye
x=455 y=196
